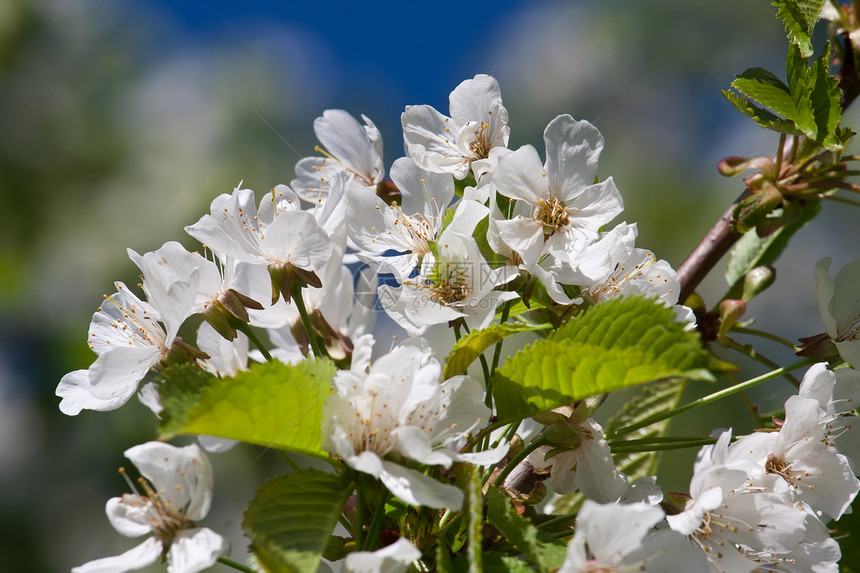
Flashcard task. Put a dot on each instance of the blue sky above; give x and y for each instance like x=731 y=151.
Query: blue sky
x=416 y=52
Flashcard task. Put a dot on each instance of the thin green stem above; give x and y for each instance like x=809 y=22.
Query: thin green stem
x=842 y=200
x=245 y=329
x=497 y=353
x=358 y=526
x=235 y=565
x=375 y=522
x=620 y=447
x=713 y=397
x=289 y=459
x=319 y=350
x=753 y=354
x=561 y=519
x=764 y=334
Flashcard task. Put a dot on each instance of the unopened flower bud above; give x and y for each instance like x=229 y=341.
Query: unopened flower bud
x=757 y=280
x=730 y=311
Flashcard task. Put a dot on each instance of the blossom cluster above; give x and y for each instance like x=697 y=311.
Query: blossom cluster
x=464 y=230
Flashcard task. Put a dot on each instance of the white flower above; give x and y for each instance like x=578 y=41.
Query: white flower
x=127 y=335
x=349 y=148
x=188 y=283
x=799 y=455
x=587 y=466
x=400 y=405
x=291 y=243
x=478 y=124
x=391 y=559
x=462 y=285
x=838 y=394
x=620 y=537
x=839 y=306
x=568 y=208
x=177 y=492
x=394 y=238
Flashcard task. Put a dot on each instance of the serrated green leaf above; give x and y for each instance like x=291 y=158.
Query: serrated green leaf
x=799 y=17
x=617 y=344
x=764 y=118
x=179 y=387
x=291 y=518
x=752 y=251
x=825 y=102
x=800 y=87
x=468 y=348
x=274 y=405
x=520 y=532
x=768 y=90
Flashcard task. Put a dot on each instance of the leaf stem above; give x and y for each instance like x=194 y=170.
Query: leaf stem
x=712 y=397
x=319 y=351
x=235 y=565
x=753 y=354
x=245 y=329
x=764 y=334
x=375 y=522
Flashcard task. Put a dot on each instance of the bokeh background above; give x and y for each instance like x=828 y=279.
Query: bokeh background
x=121 y=120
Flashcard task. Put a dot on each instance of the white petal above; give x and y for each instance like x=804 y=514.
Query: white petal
x=348 y=141
x=572 y=151
x=825 y=289
x=167 y=467
x=525 y=236
x=129 y=515
x=414 y=443
x=393 y=558
x=430 y=139
x=689 y=521
x=415 y=488
x=520 y=175
x=296 y=238
x=600 y=525
x=194 y=550
x=215 y=444
x=134 y=559
x=423 y=191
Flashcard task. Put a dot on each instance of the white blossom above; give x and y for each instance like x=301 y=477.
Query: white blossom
x=839 y=306
x=399 y=404
x=478 y=125
x=620 y=537
x=129 y=338
x=394 y=238
x=568 y=208
x=349 y=148
x=177 y=492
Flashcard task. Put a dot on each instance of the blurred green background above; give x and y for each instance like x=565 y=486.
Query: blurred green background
x=121 y=121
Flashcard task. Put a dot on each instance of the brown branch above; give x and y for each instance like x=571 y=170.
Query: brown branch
x=709 y=251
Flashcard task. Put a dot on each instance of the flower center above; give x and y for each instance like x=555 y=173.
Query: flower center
x=165 y=518
x=417 y=229
x=451 y=290
x=552 y=213
x=480 y=146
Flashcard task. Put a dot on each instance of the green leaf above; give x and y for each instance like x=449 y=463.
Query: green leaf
x=291 y=518
x=800 y=86
x=768 y=90
x=520 y=532
x=618 y=343
x=274 y=405
x=179 y=387
x=825 y=102
x=799 y=17
x=468 y=348
x=752 y=251
x=761 y=116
